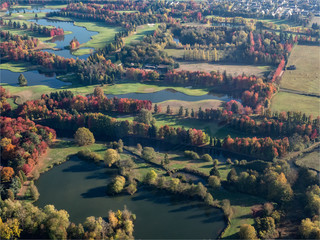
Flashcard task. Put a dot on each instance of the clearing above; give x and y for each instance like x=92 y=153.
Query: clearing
x=306 y=77
x=310 y=160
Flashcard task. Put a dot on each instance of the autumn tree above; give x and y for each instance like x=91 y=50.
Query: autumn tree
x=145 y=116
x=151 y=177
x=84 y=136
x=6 y=174
x=98 y=92
x=111 y=156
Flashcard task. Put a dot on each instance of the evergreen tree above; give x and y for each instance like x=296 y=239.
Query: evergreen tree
x=22 y=80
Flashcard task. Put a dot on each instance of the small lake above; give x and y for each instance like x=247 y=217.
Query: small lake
x=33 y=77
x=80 y=188
x=80 y=33
x=34 y=9
x=170 y=94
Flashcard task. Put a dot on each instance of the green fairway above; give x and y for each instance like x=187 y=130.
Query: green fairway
x=105 y=34
x=140 y=33
x=17 y=66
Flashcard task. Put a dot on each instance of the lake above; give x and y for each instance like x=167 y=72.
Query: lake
x=80 y=33
x=33 y=77
x=80 y=188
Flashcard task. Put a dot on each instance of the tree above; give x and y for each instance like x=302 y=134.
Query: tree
x=247 y=232
x=151 y=177
x=145 y=116
x=34 y=191
x=180 y=113
x=111 y=156
x=310 y=229
x=10 y=229
x=168 y=110
x=148 y=153
x=232 y=176
x=214 y=182
x=98 y=92
x=6 y=174
x=166 y=159
x=22 y=80
x=132 y=188
x=117 y=185
x=215 y=172
x=209 y=199
x=84 y=136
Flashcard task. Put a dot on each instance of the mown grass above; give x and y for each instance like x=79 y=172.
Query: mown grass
x=140 y=33
x=284 y=101
x=310 y=160
x=105 y=33
x=307 y=76
x=59 y=151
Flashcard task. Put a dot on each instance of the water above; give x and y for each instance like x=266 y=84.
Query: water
x=34 y=9
x=168 y=94
x=33 y=77
x=79 y=187
x=81 y=33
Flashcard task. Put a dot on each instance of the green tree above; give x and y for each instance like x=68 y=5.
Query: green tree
x=148 y=154
x=117 y=185
x=180 y=113
x=132 y=188
x=209 y=199
x=84 y=136
x=215 y=172
x=214 y=182
x=22 y=80
x=111 y=156
x=166 y=159
x=247 y=232
x=145 y=116
x=34 y=191
x=151 y=177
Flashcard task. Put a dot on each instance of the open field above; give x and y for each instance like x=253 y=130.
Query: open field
x=231 y=69
x=307 y=76
x=284 y=101
x=141 y=31
x=310 y=160
x=176 y=104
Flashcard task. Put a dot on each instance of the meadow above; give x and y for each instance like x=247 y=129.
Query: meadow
x=310 y=160
x=306 y=77
x=284 y=101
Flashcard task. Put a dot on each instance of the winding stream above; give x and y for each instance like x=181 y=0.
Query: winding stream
x=79 y=187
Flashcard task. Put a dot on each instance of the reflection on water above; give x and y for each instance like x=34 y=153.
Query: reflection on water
x=79 y=187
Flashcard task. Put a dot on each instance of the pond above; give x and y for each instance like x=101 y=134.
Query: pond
x=34 y=9
x=33 y=77
x=79 y=187
x=80 y=33
x=170 y=94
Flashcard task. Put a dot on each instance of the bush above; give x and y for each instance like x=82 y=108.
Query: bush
x=207 y=158
x=192 y=155
x=83 y=137
x=117 y=185
x=229 y=161
x=111 y=156
x=87 y=155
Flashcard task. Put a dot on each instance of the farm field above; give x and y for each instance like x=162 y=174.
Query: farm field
x=234 y=70
x=310 y=160
x=307 y=76
x=284 y=101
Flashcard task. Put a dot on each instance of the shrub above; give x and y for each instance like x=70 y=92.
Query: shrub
x=206 y=157
x=192 y=155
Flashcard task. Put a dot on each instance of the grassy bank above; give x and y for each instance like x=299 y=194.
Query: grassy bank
x=140 y=33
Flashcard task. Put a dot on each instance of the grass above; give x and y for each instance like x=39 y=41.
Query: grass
x=59 y=151
x=17 y=66
x=234 y=70
x=106 y=34
x=176 y=104
x=284 y=101
x=310 y=160
x=306 y=77
x=140 y=33
x=34 y=92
